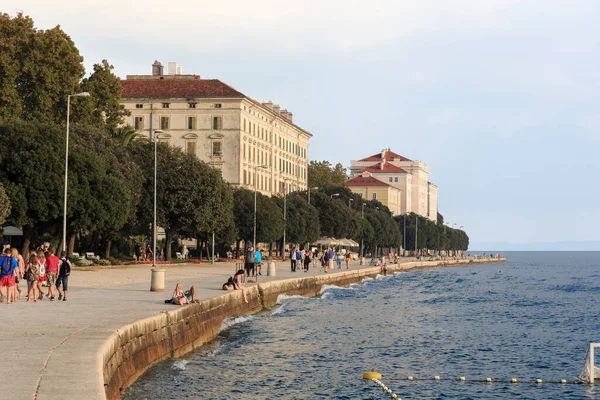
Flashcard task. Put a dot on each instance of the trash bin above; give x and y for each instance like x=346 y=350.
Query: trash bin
x=271 y=269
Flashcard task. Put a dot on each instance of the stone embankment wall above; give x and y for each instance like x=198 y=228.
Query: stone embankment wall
x=134 y=348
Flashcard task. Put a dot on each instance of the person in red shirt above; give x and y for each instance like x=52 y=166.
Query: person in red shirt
x=51 y=273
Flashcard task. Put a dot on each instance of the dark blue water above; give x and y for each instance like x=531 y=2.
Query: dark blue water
x=532 y=317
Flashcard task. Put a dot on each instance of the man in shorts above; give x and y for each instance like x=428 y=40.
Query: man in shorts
x=8 y=265
x=51 y=273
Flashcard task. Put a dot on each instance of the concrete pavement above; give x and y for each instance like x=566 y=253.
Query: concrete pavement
x=50 y=348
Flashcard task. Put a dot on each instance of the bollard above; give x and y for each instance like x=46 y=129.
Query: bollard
x=362 y=261
x=157 y=283
x=271 y=269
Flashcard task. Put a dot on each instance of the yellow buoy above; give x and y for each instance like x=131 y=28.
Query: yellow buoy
x=462 y=378
x=514 y=380
x=371 y=375
x=539 y=381
x=563 y=381
x=488 y=380
x=410 y=378
x=437 y=378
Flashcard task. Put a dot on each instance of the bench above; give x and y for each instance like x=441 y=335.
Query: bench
x=179 y=256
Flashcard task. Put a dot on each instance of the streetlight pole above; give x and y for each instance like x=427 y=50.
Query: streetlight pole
x=416 y=232
x=284 y=216
x=362 y=214
x=350 y=201
x=404 y=237
x=82 y=94
x=309 y=189
x=255 y=167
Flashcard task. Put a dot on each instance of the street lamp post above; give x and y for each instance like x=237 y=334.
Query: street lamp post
x=255 y=167
x=309 y=189
x=362 y=214
x=404 y=237
x=416 y=232
x=284 y=216
x=82 y=94
x=377 y=208
x=154 y=134
x=350 y=201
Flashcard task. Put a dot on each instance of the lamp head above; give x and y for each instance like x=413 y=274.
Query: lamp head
x=82 y=94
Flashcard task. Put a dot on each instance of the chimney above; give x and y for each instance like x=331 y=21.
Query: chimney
x=290 y=116
x=284 y=114
x=269 y=105
x=381 y=164
x=276 y=108
x=157 y=68
x=383 y=154
x=174 y=68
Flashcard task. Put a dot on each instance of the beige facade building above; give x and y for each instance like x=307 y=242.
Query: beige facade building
x=410 y=177
x=250 y=142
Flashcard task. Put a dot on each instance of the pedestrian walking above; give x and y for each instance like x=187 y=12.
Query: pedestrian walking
x=62 y=283
x=32 y=273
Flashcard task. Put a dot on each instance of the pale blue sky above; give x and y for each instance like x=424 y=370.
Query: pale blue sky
x=499 y=97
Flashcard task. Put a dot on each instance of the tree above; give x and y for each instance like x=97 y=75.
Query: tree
x=32 y=172
x=335 y=218
x=302 y=219
x=38 y=70
x=269 y=217
x=4 y=205
x=103 y=108
x=190 y=195
x=323 y=175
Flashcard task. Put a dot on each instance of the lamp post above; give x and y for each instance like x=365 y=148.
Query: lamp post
x=82 y=94
x=350 y=201
x=284 y=216
x=255 y=167
x=309 y=189
x=404 y=237
x=416 y=232
x=154 y=134
x=362 y=214
x=377 y=208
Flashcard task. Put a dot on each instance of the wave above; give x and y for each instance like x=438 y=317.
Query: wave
x=180 y=365
x=229 y=322
x=282 y=297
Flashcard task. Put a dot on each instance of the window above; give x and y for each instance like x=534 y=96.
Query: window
x=192 y=105
x=245 y=178
x=396 y=179
x=218 y=105
x=191 y=147
x=138 y=123
x=164 y=122
x=390 y=179
x=217 y=148
x=191 y=123
x=165 y=105
x=244 y=125
x=139 y=106
x=244 y=151
x=217 y=123
x=374 y=196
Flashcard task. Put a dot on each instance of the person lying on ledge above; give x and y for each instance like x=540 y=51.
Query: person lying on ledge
x=180 y=297
x=235 y=283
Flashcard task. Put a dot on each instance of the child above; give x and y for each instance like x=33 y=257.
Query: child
x=63 y=276
x=32 y=272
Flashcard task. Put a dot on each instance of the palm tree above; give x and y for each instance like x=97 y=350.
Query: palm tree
x=123 y=135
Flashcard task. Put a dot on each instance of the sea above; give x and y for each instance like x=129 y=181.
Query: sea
x=530 y=318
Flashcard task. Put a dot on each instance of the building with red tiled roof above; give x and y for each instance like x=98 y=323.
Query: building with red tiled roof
x=221 y=126
x=410 y=176
x=370 y=188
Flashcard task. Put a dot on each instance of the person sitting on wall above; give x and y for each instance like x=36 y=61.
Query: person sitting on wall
x=235 y=283
x=180 y=297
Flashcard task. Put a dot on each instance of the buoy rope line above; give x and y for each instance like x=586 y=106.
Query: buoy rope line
x=386 y=389
x=487 y=380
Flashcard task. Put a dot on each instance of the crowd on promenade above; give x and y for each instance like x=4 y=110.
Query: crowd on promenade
x=43 y=267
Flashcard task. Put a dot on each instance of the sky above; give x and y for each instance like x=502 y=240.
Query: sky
x=499 y=97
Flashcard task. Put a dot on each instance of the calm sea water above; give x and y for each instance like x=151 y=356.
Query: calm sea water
x=532 y=317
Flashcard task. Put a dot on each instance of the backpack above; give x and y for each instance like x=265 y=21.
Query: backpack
x=34 y=273
x=7 y=266
x=65 y=268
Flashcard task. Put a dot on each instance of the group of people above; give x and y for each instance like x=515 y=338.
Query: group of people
x=327 y=258
x=42 y=266
x=253 y=261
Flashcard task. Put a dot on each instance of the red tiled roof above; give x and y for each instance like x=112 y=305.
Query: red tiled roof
x=389 y=156
x=177 y=88
x=362 y=181
x=387 y=168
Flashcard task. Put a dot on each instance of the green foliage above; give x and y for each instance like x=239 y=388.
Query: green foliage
x=269 y=217
x=322 y=174
x=38 y=70
x=103 y=108
x=302 y=219
x=4 y=205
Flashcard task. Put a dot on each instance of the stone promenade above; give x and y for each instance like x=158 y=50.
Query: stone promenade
x=50 y=349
